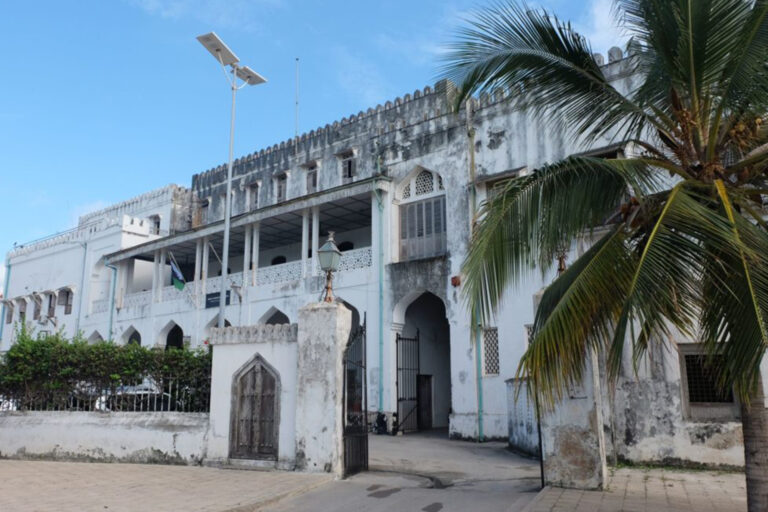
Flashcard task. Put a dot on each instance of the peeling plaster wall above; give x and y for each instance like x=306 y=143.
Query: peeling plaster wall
x=651 y=423
x=323 y=333
x=141 y=437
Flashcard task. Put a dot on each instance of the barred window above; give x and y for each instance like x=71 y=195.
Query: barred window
x=703 y=399
x=8 y=313
x=491 y=350
x=702 y=387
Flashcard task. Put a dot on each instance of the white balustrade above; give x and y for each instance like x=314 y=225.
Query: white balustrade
x=290 y=271
x=137 y=299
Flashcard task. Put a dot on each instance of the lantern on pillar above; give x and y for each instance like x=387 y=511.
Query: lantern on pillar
x=329 y=256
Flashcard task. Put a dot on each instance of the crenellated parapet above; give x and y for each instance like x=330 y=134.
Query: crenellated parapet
x=149 y=199
x=259 y=333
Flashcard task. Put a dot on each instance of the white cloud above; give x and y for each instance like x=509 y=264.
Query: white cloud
x=360 y=79
x=600 y=27
x=240 y=14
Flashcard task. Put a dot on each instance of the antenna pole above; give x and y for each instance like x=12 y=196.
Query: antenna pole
x=297 y=98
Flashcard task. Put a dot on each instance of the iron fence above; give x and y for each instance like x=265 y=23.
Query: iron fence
x=141 y=394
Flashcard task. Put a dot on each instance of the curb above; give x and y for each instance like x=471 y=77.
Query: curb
x=532 y=504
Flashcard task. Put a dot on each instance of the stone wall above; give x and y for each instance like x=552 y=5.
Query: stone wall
x=141 y=437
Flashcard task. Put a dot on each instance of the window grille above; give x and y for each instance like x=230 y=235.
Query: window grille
x=422 y=228
x=702 y=386
x=491 y=350
x=424 y=183
x=312 y=180
x=407 y=191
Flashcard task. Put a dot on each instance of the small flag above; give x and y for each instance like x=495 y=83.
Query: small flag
x=177 y=278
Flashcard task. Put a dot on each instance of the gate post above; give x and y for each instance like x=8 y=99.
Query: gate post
x=323 y=333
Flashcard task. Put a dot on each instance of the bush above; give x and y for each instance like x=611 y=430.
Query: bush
x=53 y=373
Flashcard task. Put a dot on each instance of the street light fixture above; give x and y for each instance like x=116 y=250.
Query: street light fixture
x=226 y=57
x=329 y=256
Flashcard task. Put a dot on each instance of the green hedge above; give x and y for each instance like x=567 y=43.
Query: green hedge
x=53 y=373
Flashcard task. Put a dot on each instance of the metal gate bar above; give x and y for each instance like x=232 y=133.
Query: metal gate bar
x=355 y=404
x=407 y=393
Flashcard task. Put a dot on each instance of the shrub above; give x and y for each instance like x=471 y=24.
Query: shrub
x=53 y=373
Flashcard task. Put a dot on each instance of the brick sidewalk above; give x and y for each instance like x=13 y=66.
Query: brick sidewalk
x=653 y=490
x=36 y=486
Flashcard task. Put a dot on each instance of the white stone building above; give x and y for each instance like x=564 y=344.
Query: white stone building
x=399 y=185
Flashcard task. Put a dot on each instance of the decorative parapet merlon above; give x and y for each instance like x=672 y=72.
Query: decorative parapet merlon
x=259 y=333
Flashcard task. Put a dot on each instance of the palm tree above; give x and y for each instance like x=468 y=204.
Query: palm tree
x=687 y=246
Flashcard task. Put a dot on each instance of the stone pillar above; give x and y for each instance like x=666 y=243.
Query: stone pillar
x=198 y=268
x=246 y=257
x=322 y=336
x=204 y=275
x=315 y=238
x=155 y=275
x=161 y=274
x=304 y=241
x=255 y=253
x=572 y=438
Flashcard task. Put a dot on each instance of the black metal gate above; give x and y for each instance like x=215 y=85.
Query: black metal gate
x=355 y=404
x=407 y=389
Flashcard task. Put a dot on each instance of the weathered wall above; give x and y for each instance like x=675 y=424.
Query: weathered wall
x=142 y=437
x=232 y=348
x=572 y=440
x=323 y=334
x=523 y=426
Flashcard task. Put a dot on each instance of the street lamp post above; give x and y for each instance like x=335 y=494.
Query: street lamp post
x=329 y=256
x=225 y=57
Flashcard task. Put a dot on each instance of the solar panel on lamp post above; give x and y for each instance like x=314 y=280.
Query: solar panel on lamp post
x=226 y=57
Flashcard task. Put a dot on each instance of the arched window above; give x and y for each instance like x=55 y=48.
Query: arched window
x=175 y=338
x=422 y=216
x=278 y=260
x=346 y=246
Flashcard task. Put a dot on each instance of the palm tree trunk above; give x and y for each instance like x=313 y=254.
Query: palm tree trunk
x=754 y=422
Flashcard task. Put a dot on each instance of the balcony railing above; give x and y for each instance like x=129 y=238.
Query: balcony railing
x=291 y=271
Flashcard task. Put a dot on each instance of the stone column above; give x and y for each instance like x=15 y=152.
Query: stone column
x=304 y=241
x=315 y=238
x=155 y=275
x=246 y=257
x=161 y=274
x=198 y=268
x=255 y=253
x=323 y=332
x=204 y=276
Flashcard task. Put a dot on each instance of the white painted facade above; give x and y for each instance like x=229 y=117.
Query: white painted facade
x=392 y=146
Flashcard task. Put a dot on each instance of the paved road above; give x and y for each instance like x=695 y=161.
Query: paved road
x=36 y=486
x=428 y=473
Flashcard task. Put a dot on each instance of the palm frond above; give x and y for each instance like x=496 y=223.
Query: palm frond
x=577 y=311
x=531 y=220
x=550 y=64
x=734 y=313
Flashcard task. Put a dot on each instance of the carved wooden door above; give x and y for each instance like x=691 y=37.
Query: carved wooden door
x=254 y=435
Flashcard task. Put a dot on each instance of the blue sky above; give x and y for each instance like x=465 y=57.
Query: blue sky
x=102 y=100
